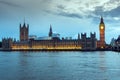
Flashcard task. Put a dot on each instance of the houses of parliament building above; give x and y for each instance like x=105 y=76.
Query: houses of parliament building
x=54 y=42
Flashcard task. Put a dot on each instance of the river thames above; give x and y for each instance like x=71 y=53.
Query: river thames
x=60 y=65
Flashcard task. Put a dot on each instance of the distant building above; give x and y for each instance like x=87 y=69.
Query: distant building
x=101 y=43
x=32 y=37
x=115 y=44
x=44 y=38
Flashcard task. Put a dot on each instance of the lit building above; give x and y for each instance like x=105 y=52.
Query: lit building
x=52 y=42
x=101 y=43
x=84 y=43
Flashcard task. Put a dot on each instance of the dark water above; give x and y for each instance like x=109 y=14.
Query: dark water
x=59 y=66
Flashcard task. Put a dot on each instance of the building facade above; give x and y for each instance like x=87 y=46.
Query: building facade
x=84 y=43
x=88 y=42
x=52 y=42
x=7 y=43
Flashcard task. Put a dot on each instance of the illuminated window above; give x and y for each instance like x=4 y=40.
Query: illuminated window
x=102 y=47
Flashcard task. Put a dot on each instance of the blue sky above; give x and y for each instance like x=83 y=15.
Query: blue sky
x=67 y=17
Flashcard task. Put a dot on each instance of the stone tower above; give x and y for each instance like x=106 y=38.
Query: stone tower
x=24 y=32
x=102 y=33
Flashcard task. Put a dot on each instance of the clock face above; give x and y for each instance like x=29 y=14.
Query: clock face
x=101 y=27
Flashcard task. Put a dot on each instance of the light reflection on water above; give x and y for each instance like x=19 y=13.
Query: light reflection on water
x=59 y=66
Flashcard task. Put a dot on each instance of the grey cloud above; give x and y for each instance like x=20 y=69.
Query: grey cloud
x=61 y=12
x=114 y=13
x=10 y=4
x=88 y=4
x=24 y=8
x=108 y=15
x=98 y=10
x=60 y=7
x=38 y=6
x=72 y=15
x=67 y=0
x=112 y=1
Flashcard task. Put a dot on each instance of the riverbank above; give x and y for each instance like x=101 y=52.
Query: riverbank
x=85 y=50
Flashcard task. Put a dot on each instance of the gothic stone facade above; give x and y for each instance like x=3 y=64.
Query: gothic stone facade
x=84 y=43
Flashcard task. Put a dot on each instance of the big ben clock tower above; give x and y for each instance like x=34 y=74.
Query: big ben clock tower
x=102 y=33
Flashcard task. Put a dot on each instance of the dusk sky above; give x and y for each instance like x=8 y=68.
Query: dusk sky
x=67 y=17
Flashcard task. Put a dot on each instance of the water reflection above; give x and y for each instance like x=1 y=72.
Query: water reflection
x=102 y=61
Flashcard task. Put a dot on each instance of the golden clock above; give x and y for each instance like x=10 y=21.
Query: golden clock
x=101 y=27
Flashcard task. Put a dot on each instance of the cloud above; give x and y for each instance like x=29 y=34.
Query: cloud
x=67 y=8
x=61 y=11
x=112 y=4
x=72 y=15
x=75 y=9
x=10 y=4
x=114 y=12
x=61 y=7
x=10 y=9
x=109 y=10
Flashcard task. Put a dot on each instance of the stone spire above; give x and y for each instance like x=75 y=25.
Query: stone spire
x=50 y=31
